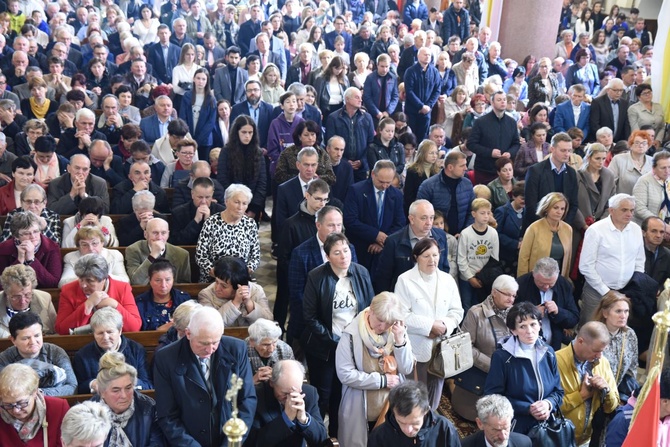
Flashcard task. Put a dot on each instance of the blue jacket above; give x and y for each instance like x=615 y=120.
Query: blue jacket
x=421 y=87
x=396 y=258
x=148 y=309
x=329 y=39
x=264 y=118
x=344 y=178
x=150 y=129
x=142 y=428
x=588 y=78
x=372 y=91
x=455 y=23
x=411 y=12
x=358 y=133
x=514 y=378
x=157 y=61
x=188 y=414
x=357 y=7
x=86 y=363
x=206 y=121
x=436 y=191
x=509 y=231
x=448 y=83
x=564 y=118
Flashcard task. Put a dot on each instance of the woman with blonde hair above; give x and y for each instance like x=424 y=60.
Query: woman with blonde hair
x=271 y=85
x=425 y=166
x=596 y=185
x=357 y=77
x=183 y=73
x=549 y=236
x=456 y=103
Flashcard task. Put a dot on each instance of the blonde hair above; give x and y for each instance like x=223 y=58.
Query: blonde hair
x=548 y=201
x=482 y=192
x=388 y=308
x=264 y=80
x=18 y=380
x=480 y=203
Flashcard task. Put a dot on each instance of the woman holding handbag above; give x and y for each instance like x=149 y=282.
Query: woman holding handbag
x=435 y=310
x=486 y=323
x=373 y=356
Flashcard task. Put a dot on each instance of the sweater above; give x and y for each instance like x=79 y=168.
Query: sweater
x=475 y=250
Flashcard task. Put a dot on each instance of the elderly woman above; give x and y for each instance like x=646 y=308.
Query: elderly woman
x=622 y=351
x=548 y=236
x=91 y=240
x=467 y=73
x=229 y=233
x=34 y=199
x=180 y=320
x=526 y=369
x=239 y=300
x=90 y=214
x=26 y=412
x=265 y=348
x=24 y=142
x=535 y=149
x=630 y=166
x=486 y=324
x=373 y=356
x=585 y=73
x=543 y=88
x=360 y=73
x=23 y=174
x=133 y=414
x=456 y=103
x=87 y=423
x=434 y=309
x=49 y=164
x=596 y=185
x=29 y=246
x=334 y=294
x=157 y=304
x=19 y=294
x=565 y=46
x=647 y=112
x=38 y=106
x=106 y=325
x=94 y=290
x=502 y=187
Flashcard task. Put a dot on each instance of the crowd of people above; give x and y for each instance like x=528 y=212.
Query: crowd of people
x=525 y=202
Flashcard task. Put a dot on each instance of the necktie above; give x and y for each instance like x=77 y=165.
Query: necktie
x=380 y=208
x=204 y=366
x=264 y=61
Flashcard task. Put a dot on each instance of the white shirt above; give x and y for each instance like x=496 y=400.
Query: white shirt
x=609 y=256
x=345 y=306
x=576 y=110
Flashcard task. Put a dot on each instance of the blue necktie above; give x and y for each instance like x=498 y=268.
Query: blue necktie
x=380 y=208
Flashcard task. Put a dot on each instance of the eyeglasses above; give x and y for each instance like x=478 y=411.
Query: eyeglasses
x=508 y=295
x=187 y=154
x=641 y=143
x=16 y=405
x=32 y=202
x=321 y=199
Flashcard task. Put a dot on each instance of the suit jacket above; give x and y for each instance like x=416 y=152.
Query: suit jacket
x=372 y=91
x=478 y=440
x=289 y=195
x=162 y=68
x=264 y=118
x=540 y=182
x=270 y=428
x=206 y=121
x=124 y=192
x=275 y=57
x=603 y=116
x=248 y=30
x=188 y=413
x=222 y=86
x=137 y=263
x=23 y=92
x=150 y=129
x=329 y=39
x=58 y=196
x=564 y=118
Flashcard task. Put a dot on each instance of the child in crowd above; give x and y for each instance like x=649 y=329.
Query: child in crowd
x=339 y=50
x=452 y=244
x=511 y=110
x=272 y=89
x=16 y=16
x=310 y=97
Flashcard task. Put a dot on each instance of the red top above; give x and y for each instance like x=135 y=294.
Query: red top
x=56 y=409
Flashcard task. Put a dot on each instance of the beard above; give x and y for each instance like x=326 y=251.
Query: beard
x=253 y=101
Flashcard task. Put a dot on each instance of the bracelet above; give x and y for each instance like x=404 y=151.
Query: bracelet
x=383 y=382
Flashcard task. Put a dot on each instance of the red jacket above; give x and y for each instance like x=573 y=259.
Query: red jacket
x=56 y=409
x=71 y=308
x=7 y=201
x=48 y=264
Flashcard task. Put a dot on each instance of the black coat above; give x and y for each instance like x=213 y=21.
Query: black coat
x=184 y=230
x=602 y=115
x=68 y=145
x=658 y=268
x=437 y=431
x=182 y=193
x=123 y=196
x=478 y=440
x=489 y=132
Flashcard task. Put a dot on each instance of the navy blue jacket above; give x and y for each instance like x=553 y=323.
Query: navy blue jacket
x=184 y=230
x=358 y=133
x=344 y=178
x=455 y=23
x=448 y=83
x=509 y=231
x=147 y=307
x=142 y=428
x=329 y=39
x=150 y=129
x=564 y=117
x=248 y=31
x=490 y=132
x=289 y=196
x=156 y=59
x=396 y=258
x=436 y=191
x=411 y=12
x=264 y=118
x=206 y=121
x=422 y=87
x=372 y=91
x=114 y=175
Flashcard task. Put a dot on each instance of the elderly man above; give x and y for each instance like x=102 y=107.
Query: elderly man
x=6 y=159
x=287 y=413
x=155 y=126
x=494 y=419
x=135 y=223
x=657 y=263
x=355 y=125
x=552 y=294
x=610 y=110
x=16 y=71
x=649 y=190
x=422 y=86
x=60 y=50
x=139 y=179
x=268 y=56
x=613 y=250
x=77 y=140
x=141 y=254
x=6 y=94
x=66 y=191
x=64 y=36
x=104 y=163
x=192 y=411
x=111 y=122
x=188 y=218
x=301 y=69
x=586 y=377
x=182 y=192
x=620 y=60
x=396 y=257
x=410 y=417
x=573 y=113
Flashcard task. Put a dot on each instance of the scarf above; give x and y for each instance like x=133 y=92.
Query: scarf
x=378 y=346
x=500 y=313
x=50 y=170
x=40 y=111
x=28 y=430
x=117 y=437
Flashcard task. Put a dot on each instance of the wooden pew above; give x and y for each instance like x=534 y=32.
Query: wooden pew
x=79 y=398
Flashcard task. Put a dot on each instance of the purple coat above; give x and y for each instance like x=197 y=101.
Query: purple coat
x=280 y=136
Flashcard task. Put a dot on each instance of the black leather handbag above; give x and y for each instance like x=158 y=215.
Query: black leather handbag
x=557 y=431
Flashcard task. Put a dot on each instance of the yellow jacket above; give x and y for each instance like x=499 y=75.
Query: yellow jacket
x=573 y=406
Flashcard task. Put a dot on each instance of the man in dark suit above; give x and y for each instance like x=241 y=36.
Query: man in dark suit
x=163 y=55
x=565 y=116
x=183 y=191
x=66 y=191
x=188 y=218
x=640 y=31
x=267 y=56
x=552 y=175
x=329 y=38
x=605 y=108
x=259 y=110
x=192 y=377
x=249 y=29
x=396 y=256
x=373 y=210
x=213 y=51
x=292 y=192
x=229 y=81
x=550 y=292
x=657 y=263
x=494 y=419
x=139 y=179
x=287 y=412
x=104 y=163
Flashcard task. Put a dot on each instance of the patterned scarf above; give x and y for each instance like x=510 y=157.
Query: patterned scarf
x=117 y=437
x=28 y=430
x=501 y=313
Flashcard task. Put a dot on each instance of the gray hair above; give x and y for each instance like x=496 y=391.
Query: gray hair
x=505 y=283
x=307 y=152
x=33 y=187
x=3 y=139
x=595 y=331
x=113 y=366
x=205 y=317
x=350 y=91
x=388 y=308
x=84 y=113
x=263 y=328
x=107 y=317
x=323 y=212
x=86 y=422
x=604 y=131
x=494 y=405
x=109 y=96
x=416 y=204
x=278 y=369
x=74 y=157
x=546 y=267
x=383 y=164
x=143 y=200
x=182 y=314
x=332 y=139
x=235 y=189
x=19 y=274
x=297 y=88
x=92 y=265
x=7 y=104
x=616 y=200
x=22 y=221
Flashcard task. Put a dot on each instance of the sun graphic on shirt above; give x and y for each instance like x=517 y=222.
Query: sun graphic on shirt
x=481 y=250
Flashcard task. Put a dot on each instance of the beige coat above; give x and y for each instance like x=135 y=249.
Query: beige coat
x=41 y=305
